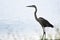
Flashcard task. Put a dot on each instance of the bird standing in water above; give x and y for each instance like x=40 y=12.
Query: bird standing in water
x=44 y=23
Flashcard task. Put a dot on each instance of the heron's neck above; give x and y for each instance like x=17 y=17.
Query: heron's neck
x=35 y=13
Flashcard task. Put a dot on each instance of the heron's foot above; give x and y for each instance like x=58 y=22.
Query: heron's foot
x=41 y=38
x=44 y=39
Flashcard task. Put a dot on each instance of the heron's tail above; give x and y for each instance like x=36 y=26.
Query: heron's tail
x=51 y=26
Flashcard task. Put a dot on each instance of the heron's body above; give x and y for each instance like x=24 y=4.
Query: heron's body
x=44 y=23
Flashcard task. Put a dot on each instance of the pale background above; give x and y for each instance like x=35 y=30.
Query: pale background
x=17 y=20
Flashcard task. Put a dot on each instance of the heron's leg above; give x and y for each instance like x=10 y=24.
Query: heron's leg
x=43 y=33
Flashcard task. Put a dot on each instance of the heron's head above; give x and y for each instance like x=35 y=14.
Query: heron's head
x=31 y=6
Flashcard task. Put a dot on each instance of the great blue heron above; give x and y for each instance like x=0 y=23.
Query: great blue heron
x=44 y=23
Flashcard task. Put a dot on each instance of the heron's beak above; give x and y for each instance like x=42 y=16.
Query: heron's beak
x=28 y=6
